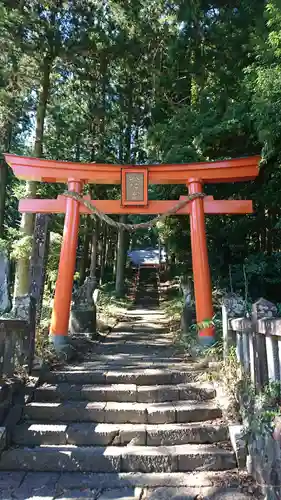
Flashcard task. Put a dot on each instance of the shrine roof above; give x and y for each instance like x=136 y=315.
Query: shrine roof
x=146 y=256
x=38 y=169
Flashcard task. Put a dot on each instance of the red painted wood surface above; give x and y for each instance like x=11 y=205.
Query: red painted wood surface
x=238 y=169
x=211 y=206
x=64 y=284
x=200 y=263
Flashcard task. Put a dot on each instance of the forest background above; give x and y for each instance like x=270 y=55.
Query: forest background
x=150 y=81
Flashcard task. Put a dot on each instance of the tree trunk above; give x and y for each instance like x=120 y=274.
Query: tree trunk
x=94 y=249
x=123 y=240
x=104 y=78
x=110 y=251
x=86 y=248
x=3 y=184
x=3 y=177
x=114 y=257
x=10 y=117
x=128 y=131
x=262 y=222
x=27 y=220
x=121 y=261
x=270 y=225
x=103 y=253
x=39 y=259
x=107 y=249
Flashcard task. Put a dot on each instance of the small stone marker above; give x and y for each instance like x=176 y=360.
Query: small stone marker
x=187 y=316
x=83 y=310
x=234 y=304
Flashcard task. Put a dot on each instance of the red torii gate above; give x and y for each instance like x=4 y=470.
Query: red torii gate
x=134 y=181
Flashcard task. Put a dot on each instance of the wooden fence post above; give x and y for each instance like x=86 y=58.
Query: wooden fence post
x=242 y=328
x=270 y=328
x=279 y=356
x=239 y=348
x=246 y=334
x=232 y=307
x=272 y=358
x=252 y=355
x=262 y=308
x=225 y=331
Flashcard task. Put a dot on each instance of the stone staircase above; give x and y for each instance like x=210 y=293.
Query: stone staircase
x=132 y=407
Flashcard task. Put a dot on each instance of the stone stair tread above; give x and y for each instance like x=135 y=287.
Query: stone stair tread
x=125 y=392
x=190 y=404
x=177 y=458
x=125 y=486
x=145 y=376
x=65 y=386
x=140 y=363
x=82 y=480
x=177 y=365
x=98 y=434
x=123 y=412
x=133 y=356
x=123 y=426
x=193 y=449
x=154 y=479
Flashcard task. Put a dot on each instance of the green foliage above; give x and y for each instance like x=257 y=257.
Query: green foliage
x=260 y=410
x=173 y=307
x=4 y=246
x=22 y=248
x=53 y=261
x=256 y=410
x=108 y=299
x=152 y=81
x=230 y=377
x=215 y=352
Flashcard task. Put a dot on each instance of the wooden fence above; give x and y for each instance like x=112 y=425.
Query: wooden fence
x=257 y=338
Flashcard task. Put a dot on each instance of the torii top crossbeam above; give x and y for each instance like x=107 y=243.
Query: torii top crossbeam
x=239 y=169
x=134 y=182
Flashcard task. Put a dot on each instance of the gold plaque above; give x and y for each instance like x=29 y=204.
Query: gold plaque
x=134 y=186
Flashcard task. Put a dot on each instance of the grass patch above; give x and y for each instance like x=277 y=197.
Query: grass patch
x=173 y=309
x=111 y=309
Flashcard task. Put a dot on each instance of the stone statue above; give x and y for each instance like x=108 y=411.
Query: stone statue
x=83 y=310
x=188 y=312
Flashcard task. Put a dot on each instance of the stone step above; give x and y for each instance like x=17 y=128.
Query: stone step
x=125 y=392
x=129 y=363
x=147 y=376
x=114 y=412
x=147 y=459
x=85 y=433
x=110 y=348
x=82 y=480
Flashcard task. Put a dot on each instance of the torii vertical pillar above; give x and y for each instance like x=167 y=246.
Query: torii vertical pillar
x=63 y=292
x=200 y=263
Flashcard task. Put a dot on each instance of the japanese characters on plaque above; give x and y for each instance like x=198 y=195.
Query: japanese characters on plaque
x=134 y=186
